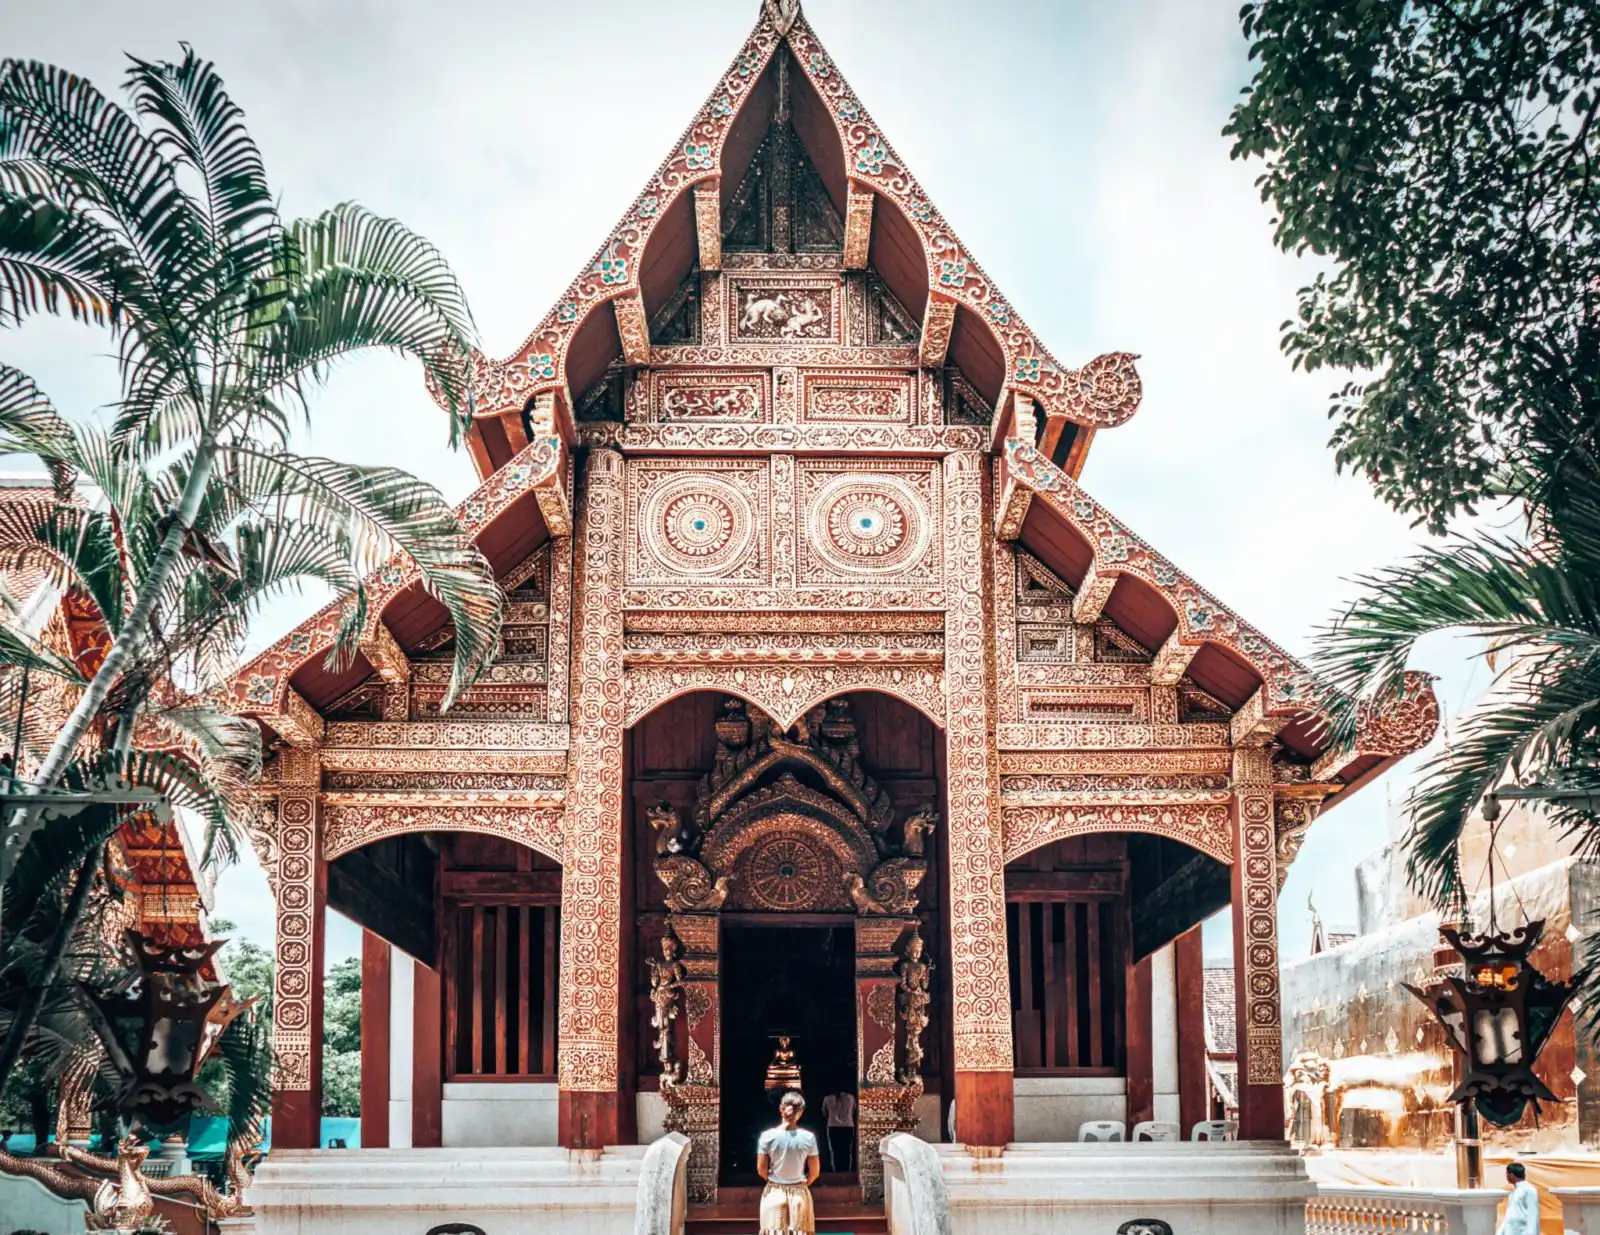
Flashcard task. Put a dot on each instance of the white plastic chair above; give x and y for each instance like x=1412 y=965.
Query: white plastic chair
x=1156 y=1130
x=1214 y=1130
x=1103 y=1130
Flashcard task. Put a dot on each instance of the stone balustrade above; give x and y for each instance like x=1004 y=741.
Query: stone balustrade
x=1580 y=1209
x=1360 y=1210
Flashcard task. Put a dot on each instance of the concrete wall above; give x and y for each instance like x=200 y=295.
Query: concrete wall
x=1052 y=1108
x=499 y=1114
x=1389 y=1063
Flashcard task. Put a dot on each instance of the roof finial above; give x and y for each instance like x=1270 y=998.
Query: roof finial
x=784 y=13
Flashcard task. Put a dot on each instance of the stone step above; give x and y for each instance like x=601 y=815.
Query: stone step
x=839 y=1212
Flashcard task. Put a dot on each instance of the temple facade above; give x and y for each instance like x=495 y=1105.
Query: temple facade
x=831 y=707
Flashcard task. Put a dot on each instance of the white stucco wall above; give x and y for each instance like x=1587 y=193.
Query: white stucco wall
x=499 y=1114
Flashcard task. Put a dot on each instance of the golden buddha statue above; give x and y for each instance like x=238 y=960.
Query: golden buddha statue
x=783 y=1072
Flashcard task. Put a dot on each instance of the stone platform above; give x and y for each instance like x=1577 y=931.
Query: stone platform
x=410 y=1191
x=1204 y=1188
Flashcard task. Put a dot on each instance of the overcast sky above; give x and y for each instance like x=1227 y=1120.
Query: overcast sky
x=1075 y=147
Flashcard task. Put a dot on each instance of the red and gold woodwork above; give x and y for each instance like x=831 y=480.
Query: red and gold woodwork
x=783 y=486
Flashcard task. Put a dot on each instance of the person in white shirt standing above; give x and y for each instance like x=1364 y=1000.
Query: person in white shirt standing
x=839 y=1109
x=1522 y=1206
x=786 y=1157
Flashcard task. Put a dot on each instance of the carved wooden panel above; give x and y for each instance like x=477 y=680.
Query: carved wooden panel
x=771 y=308
x=705 y=520
x=718 y=396
x=854 y=396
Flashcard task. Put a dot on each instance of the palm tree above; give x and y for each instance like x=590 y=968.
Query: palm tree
x=157 y=223
x=1532 y=600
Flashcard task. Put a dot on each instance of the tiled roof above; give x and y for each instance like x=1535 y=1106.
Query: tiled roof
x=1221 y=1034
x=23 y=581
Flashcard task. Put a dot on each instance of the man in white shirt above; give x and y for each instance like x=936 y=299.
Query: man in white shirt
x=786 y=1157
x=839 y=1109
x=1522 y=1206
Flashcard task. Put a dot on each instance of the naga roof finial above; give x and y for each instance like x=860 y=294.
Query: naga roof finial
x=784 y=13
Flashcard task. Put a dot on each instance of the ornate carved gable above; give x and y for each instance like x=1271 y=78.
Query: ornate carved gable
x=781 y=205
x=789 y=820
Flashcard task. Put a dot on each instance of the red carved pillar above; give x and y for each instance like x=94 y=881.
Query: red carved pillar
x=297 y=1003
x=1189 y=962
x=980 y=976
x=427 y=1057
x=694 y=1100
x=1141 y=1060
x=1255 y=948
x=375 y=999
x=591 y=868
x=881 y=1107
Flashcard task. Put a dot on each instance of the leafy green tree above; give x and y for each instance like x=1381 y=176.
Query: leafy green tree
x=341 y=1038
x=1441 y=154
x=157 y=223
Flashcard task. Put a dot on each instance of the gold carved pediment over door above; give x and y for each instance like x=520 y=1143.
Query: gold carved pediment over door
x=790 y=822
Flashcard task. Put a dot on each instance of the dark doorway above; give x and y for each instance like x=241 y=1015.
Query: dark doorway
x=783 y=979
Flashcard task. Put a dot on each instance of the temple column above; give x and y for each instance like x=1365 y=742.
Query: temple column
x=1164 y=1034
x=881 y=1106
x=591 y=867
x=979 y=977
x=695 y=1100
x=427 y=1057
x=1140 y=1061
x=1255 y=948
x=301 y=911
x=1189 y=963
x=375 y=1038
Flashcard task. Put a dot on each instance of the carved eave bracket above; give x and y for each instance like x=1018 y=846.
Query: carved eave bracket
x=1089 y=601
x=708 y=222
x=1171 y=661
x=1252 y=724
x=633 y=328
x=857 y=226
x=385 y=655
x=293 y=719
x=937 y=322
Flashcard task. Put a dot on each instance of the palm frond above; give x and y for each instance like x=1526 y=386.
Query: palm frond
x=102 y=168
x=1540 y=727
x=1490 y=587
x=21 y=650
x=358 y=280
x=384 y=511
x=244 y=1052
x=30 y=423
x=53 y=260
x=49 y=858
x=201 y=127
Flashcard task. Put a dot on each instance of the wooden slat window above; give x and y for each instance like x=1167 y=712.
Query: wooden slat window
x=1067 y=976
x=500 y=987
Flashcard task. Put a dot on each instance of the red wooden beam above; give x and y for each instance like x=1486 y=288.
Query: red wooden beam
x=427 y=1080
x=1189 y=961
x=1141 y=1062
x=374 y=1041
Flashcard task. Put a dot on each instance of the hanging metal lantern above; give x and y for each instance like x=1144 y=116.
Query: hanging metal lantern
x=1499 y=1014
x=164 y=1022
